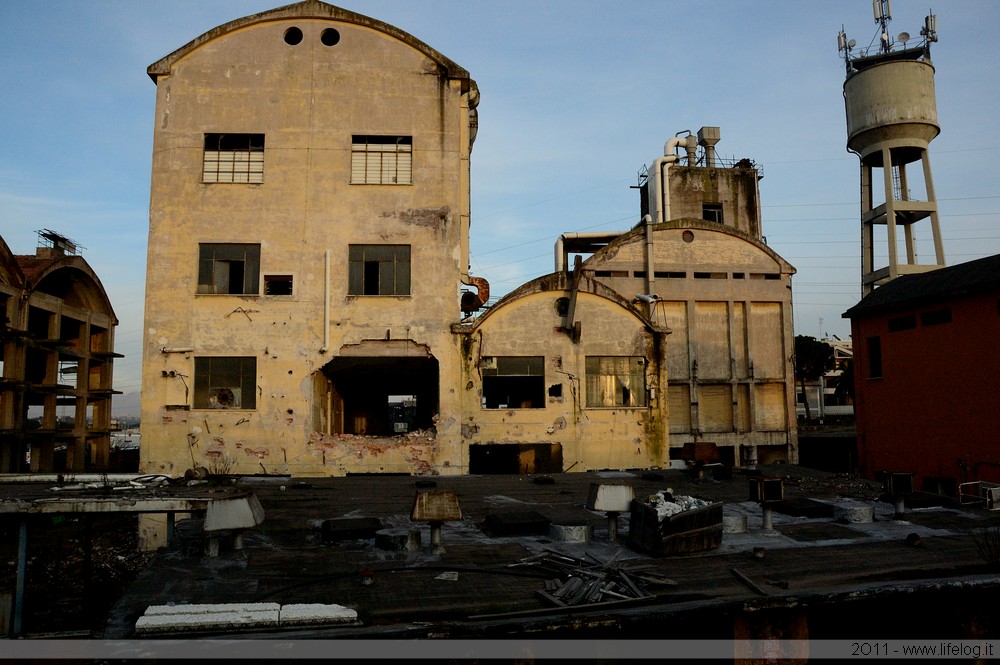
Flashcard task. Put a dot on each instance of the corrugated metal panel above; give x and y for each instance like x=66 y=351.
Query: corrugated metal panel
x=767 y=335
x=742 y=362
x=743 y=419
x=770 y=403
x=675 y=318
x=712 y=340
x=715 y=405
x=679 y=405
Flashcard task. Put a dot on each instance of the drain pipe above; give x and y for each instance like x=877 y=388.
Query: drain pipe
x=326 y=302
x=647 y=222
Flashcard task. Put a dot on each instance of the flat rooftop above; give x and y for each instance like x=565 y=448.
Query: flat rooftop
x=498 y=568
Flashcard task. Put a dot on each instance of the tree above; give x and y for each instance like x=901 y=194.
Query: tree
x=845 y=386
x=813 y=359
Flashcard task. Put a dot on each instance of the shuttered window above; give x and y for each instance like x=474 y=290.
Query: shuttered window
x=715 y=404
x=679 y=405
x=233 y=158
x=382 y=160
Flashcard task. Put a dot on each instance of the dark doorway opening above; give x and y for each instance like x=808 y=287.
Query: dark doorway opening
x=382 y=396
x=515 y=458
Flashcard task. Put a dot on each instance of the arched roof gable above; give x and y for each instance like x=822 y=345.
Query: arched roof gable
x=70 y=278
x=562 y=282
x=637 y=234
x=308 y=9
x=10 y=272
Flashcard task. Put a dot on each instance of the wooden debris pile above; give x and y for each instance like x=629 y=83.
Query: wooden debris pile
x=581 y=582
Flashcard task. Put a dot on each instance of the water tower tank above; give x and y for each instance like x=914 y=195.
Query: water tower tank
x=891 y=119
x=891 y=104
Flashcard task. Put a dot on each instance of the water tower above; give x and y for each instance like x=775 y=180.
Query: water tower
x=891 y=119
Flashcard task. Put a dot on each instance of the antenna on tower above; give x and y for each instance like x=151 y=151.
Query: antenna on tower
x=883 y=14
x=929 y=31
x=844 y=45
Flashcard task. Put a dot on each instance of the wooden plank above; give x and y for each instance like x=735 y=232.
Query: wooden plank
x=750 y=583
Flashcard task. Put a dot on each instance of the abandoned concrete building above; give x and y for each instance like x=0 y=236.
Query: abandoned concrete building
x=699 y=267
x=308 y=300
x=56 y=356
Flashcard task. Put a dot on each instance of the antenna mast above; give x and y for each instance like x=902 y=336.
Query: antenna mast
x=883 y=14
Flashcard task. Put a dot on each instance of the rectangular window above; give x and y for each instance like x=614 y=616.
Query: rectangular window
x=225 y=383
x=378 y=270
x=712 y=212
x=382 y=160
x=233 y=158
x=874 y=358
x=935 y=317
x=616 y=381
x=899 y=323
x=232 y=268
x=514 y=382
x=277 y=285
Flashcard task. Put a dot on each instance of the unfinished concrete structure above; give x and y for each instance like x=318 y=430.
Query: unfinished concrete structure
x=699 y=267
x=56 y=355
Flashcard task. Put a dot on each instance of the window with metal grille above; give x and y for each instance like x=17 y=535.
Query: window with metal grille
x=382 y=160
x=378 y=270
x=233 y=158
x=225 y=382
x=277 y=285
x=231 y=268
x=514 y=382
x=616 y=381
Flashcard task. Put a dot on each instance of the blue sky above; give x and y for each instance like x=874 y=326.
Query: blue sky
x=577 y=96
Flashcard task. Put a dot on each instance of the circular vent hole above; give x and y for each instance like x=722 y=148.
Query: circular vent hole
x=330 y=37
x=293 y=36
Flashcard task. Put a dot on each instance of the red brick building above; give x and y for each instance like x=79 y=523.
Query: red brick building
x=927 y=363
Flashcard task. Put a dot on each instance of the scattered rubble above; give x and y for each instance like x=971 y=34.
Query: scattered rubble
x=666 y=504
x=579 y=582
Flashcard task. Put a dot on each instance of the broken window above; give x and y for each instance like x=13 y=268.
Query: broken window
x=378 y=270
x=225 y=382
x=712 y=212
x=382 y=160
x=277 y=285
x=233 y=158
x=616 y=381
x=228 y=268
x=514 y=382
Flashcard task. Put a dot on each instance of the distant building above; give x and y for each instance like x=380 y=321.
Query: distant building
x=926 y=365
x=826 y=396
x=56 y=355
